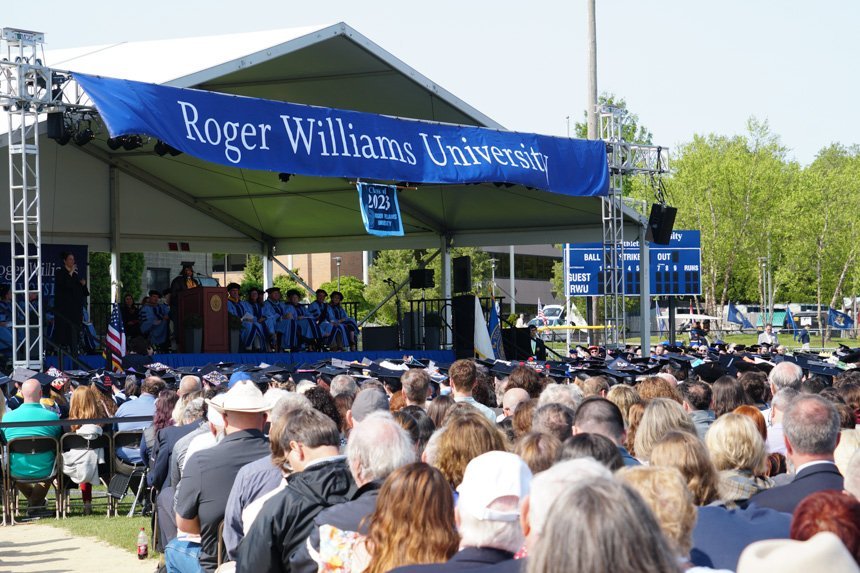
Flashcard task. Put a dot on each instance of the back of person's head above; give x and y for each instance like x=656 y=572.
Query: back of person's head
x=833 y=511
x=662 y=415
x=756 y=386
x=728 y=394
x=484 y=390
x=697 y=395
x=555 y=420
x=785 y=375
x=565 y=394
x=189 y=384
x=309 y=427
x=811 y=425
x=595 y=386
x=686 y=453
x=538 y=451
x=462 y=375
x=322 y=400
x=593 y=446
x=439 y=408
x=413 y=522
x=735 y=443
x=152 y=385
x=415 y=383
x=524 y=416
x=851 y=394
x=31 y=390
x=424 y=426
x=194 y=410
x=783 y=399
x=622 y=534
x=666 y=493
x=138 y=345
x=466 y=437
x=488 y=507
x=813 y=385
x=846 y=377
x=548 y=485
x=343 y=384
x=656 y=387
x=377 y=447
x=526 y=378
x=756 y=416
x=624 y=397
x=286 y=404
x=600 y=416
x=513 y=398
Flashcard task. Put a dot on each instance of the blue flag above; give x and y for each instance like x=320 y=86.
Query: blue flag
x=789 y=320
x=737 y=317
x=840 y=320
x=496 y=331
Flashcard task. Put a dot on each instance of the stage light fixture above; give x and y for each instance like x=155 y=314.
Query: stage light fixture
x=65 y=137
x=115 y=142
x=132 y=142
x=284 y=177
x=84 y=136
x=163 y=149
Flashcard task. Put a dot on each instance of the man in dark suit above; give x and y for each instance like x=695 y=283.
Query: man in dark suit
x=537 y=346
x=811 y=427
x=487 y=514
x=721 y=534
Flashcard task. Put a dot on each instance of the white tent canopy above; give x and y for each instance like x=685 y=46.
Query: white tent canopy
x=155 y=200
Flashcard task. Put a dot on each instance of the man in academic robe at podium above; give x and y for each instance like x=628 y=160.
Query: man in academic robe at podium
x=184 y=281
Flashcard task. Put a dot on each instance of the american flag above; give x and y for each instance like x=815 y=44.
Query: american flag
x=541 y=316
x=115 y=340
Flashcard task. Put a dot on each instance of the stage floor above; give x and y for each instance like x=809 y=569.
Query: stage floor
x=289 y=358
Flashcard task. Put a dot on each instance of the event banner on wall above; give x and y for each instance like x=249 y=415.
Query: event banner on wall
x=252 y=133
x=51 y=261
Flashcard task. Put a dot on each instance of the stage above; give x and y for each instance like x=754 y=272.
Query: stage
x=292 y=359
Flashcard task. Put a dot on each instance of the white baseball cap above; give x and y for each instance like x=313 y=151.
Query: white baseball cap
x=489 y=477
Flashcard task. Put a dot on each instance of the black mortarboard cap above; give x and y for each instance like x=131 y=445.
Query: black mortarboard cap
x=44 y=378
x=328 y=372
x=709 y=371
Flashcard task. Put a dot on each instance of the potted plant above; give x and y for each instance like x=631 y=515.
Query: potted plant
x=192 y=324
x=234 y=324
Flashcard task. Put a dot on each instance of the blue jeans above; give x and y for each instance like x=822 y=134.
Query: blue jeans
x=182 y=556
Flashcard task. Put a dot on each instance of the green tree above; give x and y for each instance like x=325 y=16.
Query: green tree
x=352 y=289
x=285 y=283
x=252 y=275
x=131 y=269
x=130 y=272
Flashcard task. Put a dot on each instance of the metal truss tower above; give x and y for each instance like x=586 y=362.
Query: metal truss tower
x=25 y=91
x=625 y=159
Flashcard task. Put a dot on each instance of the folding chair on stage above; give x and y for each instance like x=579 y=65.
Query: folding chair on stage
x=72 y=441
x=29 y=446
x=127 y=474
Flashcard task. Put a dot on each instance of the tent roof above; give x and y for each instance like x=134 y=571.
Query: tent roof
x=216 y=208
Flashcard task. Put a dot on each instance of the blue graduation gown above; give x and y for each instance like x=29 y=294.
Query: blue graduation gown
x=343 y=324
x=157 y=332
x=280 y=321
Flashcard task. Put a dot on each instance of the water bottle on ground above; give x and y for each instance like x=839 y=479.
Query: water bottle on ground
x=142 y=544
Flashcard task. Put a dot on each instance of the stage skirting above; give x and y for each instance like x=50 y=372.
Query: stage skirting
x=292 y=359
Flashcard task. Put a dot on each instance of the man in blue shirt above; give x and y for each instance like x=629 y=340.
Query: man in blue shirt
x=143 y=406
x=32 y=466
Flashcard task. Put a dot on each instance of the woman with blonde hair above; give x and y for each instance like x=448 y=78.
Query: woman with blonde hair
x=740 y=455
x=662 y=415
x=665 y=492
x=624 y=397
x=467 y=435
x=413 y=522
x=687 y=454
x=634 y=418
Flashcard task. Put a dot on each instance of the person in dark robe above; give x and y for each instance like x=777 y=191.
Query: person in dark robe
x=130 y=317
x=70 y=294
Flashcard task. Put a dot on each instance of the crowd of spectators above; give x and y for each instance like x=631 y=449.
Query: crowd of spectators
x=496 y=473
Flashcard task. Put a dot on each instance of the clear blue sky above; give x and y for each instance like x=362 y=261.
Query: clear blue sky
x=684 y=67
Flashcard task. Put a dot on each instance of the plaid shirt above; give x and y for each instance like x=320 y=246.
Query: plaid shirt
x=740 y=485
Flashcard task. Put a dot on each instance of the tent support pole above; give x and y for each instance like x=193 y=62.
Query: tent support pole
x=513 y=292
x=268 y=272
x=645 y=291
x=445 y=279
x=113 y=188
x=294 y=276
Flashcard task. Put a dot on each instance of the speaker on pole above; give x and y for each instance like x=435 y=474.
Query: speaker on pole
x=660 y=223
x=461 y=274
x=421 y=278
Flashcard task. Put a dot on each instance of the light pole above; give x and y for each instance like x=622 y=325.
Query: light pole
x=493 y=277
x=337 y=262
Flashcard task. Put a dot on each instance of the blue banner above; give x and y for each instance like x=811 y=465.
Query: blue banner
x=380 y=211
x=676 y=269
x=840 y=320
x=252 y=133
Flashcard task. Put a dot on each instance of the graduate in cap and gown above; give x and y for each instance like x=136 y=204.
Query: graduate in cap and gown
x=344 y=325
x=280 y=325
x=155 y=320
x=306 y=325
x=254 y=334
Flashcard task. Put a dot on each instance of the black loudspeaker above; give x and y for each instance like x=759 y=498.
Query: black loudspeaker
x=462 y=274
x=55 y=125
x=660 y=223
x=379 y=338
x=464 y=325
x=421 y=278
x=517 y=343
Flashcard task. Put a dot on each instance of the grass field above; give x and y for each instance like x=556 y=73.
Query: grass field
x=746 y=339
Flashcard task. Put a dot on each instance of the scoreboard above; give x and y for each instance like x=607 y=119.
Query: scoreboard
x=676 y=268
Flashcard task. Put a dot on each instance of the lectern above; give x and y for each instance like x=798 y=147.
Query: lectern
x=210 y=303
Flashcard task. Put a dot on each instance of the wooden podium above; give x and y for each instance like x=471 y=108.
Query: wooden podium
x=210 y=303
